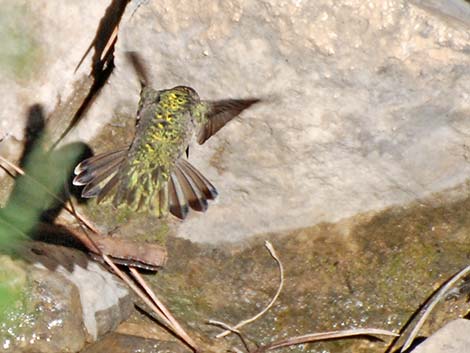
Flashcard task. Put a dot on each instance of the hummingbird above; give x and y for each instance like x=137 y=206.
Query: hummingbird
x=153 y=173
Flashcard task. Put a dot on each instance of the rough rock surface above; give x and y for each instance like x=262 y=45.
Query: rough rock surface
x=40 y=49
x=365 y=106
x=366 y=102
x=67 y=301
x=452 y=338
x=104 y=298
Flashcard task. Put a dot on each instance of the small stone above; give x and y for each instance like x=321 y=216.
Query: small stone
x=454 y=337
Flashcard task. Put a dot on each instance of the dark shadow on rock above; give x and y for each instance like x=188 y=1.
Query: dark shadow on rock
x=35 y=124
x=27 y=199
x=51 y=256
x=110 y=20
x=98 y=83
x=102 y=62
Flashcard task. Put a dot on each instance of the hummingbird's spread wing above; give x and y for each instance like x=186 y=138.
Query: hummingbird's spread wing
x=221 y=112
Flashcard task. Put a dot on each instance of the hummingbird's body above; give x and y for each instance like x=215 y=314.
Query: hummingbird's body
x=153 y=173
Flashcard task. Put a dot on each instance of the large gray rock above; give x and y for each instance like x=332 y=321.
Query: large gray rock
x=47 y=317
x=366 y=105
x=366 y=102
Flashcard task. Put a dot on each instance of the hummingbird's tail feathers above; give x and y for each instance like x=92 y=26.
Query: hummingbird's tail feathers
x=95 y=176
x=141 y=189
x=107 y=188
x=95 y=171
x=204 y=185
x=196 y=199
x=220 y=113
x=178 y=204
x=188 y=188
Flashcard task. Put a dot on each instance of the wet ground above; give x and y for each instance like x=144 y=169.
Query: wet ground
x=368 y=271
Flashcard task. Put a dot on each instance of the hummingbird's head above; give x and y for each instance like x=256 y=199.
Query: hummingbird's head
x=178 y=98
x=185 y=92
x=148 y=95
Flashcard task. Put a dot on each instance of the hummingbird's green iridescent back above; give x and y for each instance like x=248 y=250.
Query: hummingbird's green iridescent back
x=153 y=174
x=167 y=122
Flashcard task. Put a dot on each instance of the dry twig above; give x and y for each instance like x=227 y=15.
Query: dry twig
x=272 y=252
x=163 y=311
x=322 y=336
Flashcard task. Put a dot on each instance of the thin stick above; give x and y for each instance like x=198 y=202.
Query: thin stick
x=110 y=42
x=272 y=252
x=321 y=336
x=223 y=325
x=137 y=290
x=435 y=298
x=173 y=323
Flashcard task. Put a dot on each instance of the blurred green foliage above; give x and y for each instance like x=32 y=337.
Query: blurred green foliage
x=46 y=175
